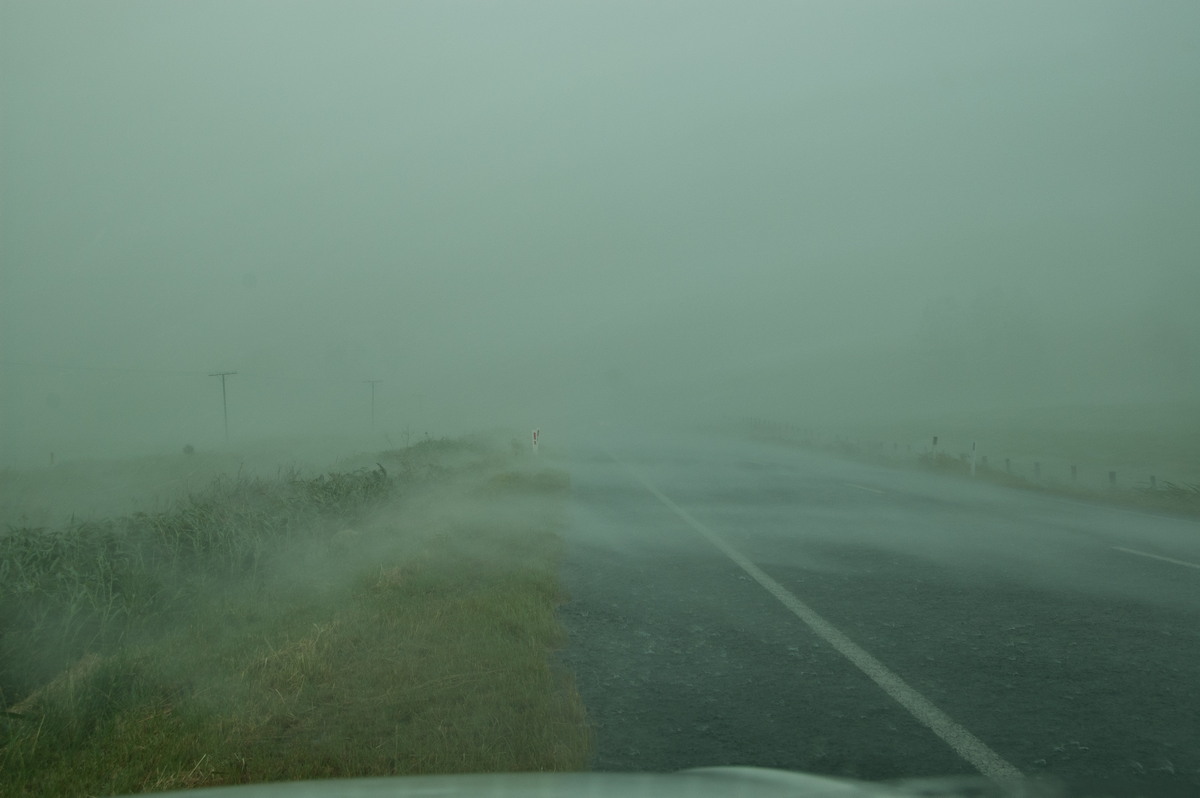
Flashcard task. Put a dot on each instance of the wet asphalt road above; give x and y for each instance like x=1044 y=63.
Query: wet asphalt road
x=1026 y=619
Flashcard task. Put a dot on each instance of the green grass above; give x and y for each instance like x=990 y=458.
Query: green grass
x=389 y=620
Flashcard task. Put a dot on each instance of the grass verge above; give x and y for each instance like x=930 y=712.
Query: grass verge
x=1175 y=496
x=396 y=620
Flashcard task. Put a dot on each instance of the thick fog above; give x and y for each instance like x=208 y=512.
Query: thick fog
x=546 y=214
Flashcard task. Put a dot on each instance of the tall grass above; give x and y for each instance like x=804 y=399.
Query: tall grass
x=89 y=586
x=292 y=628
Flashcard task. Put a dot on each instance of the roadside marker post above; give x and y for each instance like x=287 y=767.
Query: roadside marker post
x=535 y=440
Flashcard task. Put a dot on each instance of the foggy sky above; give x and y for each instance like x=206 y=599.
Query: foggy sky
x=516 y=211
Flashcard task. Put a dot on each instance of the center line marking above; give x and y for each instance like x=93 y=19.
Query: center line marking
x=965 y=744
x=1156 y=557
x=864 y=487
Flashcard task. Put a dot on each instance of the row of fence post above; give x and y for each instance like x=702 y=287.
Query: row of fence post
x=842 y=443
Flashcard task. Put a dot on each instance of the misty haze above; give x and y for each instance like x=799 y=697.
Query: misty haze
x=649 y=385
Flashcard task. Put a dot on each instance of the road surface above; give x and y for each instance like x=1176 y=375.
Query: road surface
x=734 y=603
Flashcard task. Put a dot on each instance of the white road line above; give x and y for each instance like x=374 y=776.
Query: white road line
x=1157 y=557
x=863 y=487
x=967 y=745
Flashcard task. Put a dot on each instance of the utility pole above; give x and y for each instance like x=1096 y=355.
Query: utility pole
x=373 y=384
x=224 y=403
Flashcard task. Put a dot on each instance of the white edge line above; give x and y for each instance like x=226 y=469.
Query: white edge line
x=863 y=487
x=965 y=744
x=1157 y=557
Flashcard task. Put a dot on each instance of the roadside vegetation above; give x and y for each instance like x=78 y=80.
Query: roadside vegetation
x=1181 y=497
x=396 y=618
x=1098 y=457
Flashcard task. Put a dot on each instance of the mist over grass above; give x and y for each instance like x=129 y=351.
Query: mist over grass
x=388 y=619
x=623 y=224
